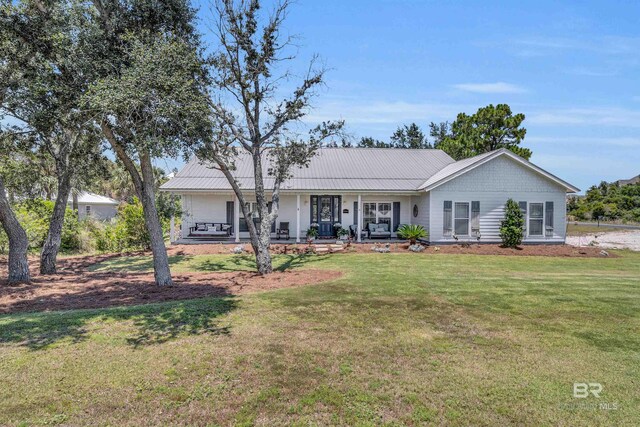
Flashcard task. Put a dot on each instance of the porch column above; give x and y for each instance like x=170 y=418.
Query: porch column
x=359 y=218
x=297 y=218
x=172 y=230
x=236 y=218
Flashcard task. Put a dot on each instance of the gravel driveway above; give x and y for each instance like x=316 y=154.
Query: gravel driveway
x=609 y=240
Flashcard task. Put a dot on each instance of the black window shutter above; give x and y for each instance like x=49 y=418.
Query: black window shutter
x=396 y=216
x=523 y=208
x=548 y=211
x=447 y=218
x=475 y=218
x=230 y=213
x=355 y=213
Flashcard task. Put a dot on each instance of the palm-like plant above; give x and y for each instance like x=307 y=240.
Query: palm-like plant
x=412 y=232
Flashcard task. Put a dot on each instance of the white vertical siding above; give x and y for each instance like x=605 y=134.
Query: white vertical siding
x=492 y=184
x=424 y=209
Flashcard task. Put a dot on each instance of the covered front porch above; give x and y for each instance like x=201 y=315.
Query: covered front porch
x=218 y=218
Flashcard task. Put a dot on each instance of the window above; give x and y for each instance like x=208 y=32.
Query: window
x=461 y=218
x=536 y=219
x=87 y=210
x=253 y=208
x=376 y=212
x=314 y=209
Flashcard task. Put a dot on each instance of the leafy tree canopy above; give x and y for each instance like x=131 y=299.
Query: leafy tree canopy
x=410 y=136
x=490 y=128
x=607 y=202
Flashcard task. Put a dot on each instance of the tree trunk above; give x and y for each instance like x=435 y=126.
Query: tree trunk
x=161 y=269
x=146 y=193
x=54 y=236
x=263 y=240
x=18 y=243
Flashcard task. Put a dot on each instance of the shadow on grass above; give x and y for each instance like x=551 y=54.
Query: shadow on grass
x=203 y=263
x=135 y=264
x=247 y=262
x=152 y=323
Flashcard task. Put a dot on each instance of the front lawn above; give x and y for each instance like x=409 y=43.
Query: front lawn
x=399 y=339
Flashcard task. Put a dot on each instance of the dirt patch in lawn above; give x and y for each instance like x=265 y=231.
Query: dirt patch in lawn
x=76 y=288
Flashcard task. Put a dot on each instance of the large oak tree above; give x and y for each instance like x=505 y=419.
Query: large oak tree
x=249 y=116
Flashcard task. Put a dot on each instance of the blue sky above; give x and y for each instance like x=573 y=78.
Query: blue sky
x=571 y=68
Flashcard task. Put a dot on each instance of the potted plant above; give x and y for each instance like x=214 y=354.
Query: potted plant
x=343 y=234
x=312 y=233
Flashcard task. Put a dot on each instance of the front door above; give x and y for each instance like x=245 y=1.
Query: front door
x=325 y=210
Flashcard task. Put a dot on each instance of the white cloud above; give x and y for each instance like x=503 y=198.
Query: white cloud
x=372 y=113
x=602 y=116
x=573 y=141
x=498 y=87
x=590 y=72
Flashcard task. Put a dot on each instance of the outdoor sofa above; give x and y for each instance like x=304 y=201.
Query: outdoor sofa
x=378 y=230
x=210 y=229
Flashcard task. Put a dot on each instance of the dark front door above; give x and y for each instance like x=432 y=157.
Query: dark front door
x=325 y=210
x=326 y=216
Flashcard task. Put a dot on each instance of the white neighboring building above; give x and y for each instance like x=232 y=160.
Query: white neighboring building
x=95 y=206
x=376 y=190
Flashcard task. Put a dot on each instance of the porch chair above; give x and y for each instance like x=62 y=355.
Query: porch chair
x=354 y=233
x=283 y=231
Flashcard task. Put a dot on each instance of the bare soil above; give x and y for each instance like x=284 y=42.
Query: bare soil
x=476 y=249
x=76 y=288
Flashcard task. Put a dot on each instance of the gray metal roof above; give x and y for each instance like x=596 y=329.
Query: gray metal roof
x=350 y=169
x=347 y=169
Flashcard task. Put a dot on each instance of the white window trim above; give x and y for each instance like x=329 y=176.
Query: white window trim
x=528 y=225
x=377 y=210
x=453 y=219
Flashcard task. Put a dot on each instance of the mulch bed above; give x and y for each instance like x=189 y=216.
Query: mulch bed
x=491 y=249
x=75 y=288
x=476 y=249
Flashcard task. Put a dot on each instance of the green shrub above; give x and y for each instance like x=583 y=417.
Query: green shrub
x=511 y=228
x=130 y=227
x=412 y=232
x=126 y=232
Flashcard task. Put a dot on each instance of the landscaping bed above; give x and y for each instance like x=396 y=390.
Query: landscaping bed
x=76 y=288
x=476 y=249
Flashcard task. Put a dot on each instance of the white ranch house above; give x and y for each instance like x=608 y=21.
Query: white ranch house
x=375 y=190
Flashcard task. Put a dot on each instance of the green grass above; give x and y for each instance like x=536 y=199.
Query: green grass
x=400 y=339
